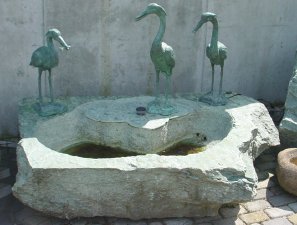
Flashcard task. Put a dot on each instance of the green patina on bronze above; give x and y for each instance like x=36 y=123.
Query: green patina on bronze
x=217 y=53
x=163 y=58
x=46 y=58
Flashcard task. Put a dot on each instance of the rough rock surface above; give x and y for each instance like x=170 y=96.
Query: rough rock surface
x=144 y=186
x=287 y=170
x=288 y=126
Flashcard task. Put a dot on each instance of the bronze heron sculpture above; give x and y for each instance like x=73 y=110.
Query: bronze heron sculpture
x=46 y=58
x=215 y=51
x=162 y=55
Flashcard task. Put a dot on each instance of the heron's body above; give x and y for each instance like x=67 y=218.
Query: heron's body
x=217 y=56
x=163 y=58
x=45 y=58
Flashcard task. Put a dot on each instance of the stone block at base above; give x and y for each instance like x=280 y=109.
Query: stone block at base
x=149 y=185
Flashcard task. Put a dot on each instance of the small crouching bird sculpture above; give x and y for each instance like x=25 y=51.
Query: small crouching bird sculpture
x=163 y=58
x=217 y=53
x=46 y=58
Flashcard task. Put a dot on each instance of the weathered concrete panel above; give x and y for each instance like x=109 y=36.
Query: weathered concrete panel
x=21 y=29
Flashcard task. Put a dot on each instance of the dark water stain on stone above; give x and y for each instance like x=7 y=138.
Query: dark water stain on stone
x=95 y=151
x=294 y=161
x=183 y=149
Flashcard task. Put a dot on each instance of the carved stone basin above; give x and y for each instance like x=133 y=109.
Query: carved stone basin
x=287 y=170
x=147 y=185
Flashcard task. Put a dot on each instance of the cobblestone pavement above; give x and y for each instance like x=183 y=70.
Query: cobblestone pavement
x=271 y=206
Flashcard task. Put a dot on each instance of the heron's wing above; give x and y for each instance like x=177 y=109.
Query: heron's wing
x=169 y=55
x=39 y=56
x=35 y=58
x=44 y=58
x=222 y=50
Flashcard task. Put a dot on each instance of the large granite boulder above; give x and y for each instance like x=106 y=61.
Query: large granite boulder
x=148 y=185
x=288 y=126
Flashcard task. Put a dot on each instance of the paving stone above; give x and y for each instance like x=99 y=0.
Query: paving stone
x=254 y=217
x=178 y=221
x=277 y=190
x=229 y=221
x=293 y=219
x=293 y=206
x=262 y=175
x=266 y=184
x=279 y=212
x=256 y=205
x=263 y=194
x=227 y=212
x=278 y=221
x=280 y=200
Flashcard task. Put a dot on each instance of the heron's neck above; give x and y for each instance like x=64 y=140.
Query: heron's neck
x=214 y=36
x=50 y=43
x=160 y=34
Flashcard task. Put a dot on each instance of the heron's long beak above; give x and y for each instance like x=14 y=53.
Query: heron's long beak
x=63 y=43
x=200 y=23
x=141 y=16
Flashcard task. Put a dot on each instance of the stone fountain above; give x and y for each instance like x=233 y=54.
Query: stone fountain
x=146 y=185
x=144 y=181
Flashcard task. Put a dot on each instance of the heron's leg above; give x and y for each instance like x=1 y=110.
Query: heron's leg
x=212 y=77
x=157 y=83
x=39 y=85
x=221 y=81
x=167 y=88
x=50 y=85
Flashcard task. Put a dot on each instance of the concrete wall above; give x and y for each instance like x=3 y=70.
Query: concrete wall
x=110 y=51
